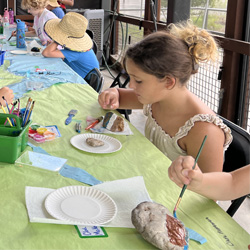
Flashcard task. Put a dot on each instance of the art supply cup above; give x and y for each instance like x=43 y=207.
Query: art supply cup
x=2 y=53
x=13 y=139
x=20 y=34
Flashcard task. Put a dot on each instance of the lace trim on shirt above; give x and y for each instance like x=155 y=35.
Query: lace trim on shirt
x=183 y=131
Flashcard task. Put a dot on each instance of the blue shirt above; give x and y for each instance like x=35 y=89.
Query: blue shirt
x=58 y=12
x=81 y=62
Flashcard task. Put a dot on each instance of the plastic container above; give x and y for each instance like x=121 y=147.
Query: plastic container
x=6 y=23
x=1 y=25
x=20 y=34
x=11 y=16
x=13 y=140
x=2 y=54
x=6 y=15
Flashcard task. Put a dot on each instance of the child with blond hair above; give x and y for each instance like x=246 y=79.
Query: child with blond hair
x=41 y=15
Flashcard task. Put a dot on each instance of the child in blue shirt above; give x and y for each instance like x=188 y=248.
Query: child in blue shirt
x=54 y=6
x=70 y=33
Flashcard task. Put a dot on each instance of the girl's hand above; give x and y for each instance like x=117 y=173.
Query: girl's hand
x=109 y=99
x=8 y=95
x=181 y=173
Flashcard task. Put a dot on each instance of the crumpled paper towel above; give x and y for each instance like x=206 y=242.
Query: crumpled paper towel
x=31 y=44
x=98 y=128
x=126 y=193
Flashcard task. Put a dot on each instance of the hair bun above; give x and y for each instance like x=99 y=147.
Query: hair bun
x=201 y=45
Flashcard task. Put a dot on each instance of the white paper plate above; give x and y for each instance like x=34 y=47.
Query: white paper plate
x=110 y=144
x=19 y=52
x=81 y=205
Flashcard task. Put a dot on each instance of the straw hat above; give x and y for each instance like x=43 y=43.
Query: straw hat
x=53 y=3
x=69 y=32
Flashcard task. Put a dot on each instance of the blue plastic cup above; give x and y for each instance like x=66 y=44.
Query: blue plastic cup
x=2 y=53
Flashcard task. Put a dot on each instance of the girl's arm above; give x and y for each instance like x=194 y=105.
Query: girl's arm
x=226 y=186
x=30 y=33
x=212 y=156
x=128 y=99
x=67 y=2
x=216 y=185
x=52 y=51
x=118 y=98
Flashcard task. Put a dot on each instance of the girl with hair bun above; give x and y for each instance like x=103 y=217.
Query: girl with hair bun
x=159 y=67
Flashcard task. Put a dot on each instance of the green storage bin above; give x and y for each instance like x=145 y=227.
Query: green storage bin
x=13 y=140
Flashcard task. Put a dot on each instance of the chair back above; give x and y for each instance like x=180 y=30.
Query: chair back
x=95 y=79
x=238 y=153
x=236 y=156
x=91 y=35
x=117 y=82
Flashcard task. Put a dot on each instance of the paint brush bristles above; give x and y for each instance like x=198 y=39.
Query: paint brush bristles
x=185 y=186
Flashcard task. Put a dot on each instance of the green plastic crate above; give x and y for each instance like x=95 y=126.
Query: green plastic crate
x=13 y=140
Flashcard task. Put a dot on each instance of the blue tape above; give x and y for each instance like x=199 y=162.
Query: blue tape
x=79 y=175
x=69 y=171
x=193 y=235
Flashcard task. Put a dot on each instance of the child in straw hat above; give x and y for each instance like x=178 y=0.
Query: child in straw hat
x=54 y=6
x=70 y=33
x=41 y=16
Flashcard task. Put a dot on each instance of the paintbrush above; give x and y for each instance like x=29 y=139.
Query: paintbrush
x=30 y=111
x=12 y=122
x=5 y=113
x=185 y=186
x=11 y=35
x=12 y=109
x=71 y=114
x=18 y=109
x=26 y=110
x=94 y=123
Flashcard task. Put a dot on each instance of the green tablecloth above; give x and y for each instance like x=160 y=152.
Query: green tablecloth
x=138 y=157
x=7 y=78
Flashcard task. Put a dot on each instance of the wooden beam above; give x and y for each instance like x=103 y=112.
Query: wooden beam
x=229 y=44
x=233 y=45
x=25 y=17
x=11 y=4
x=143 y=23
x=230 y=81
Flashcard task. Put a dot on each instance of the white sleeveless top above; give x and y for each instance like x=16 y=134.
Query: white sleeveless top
x=169 y=145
